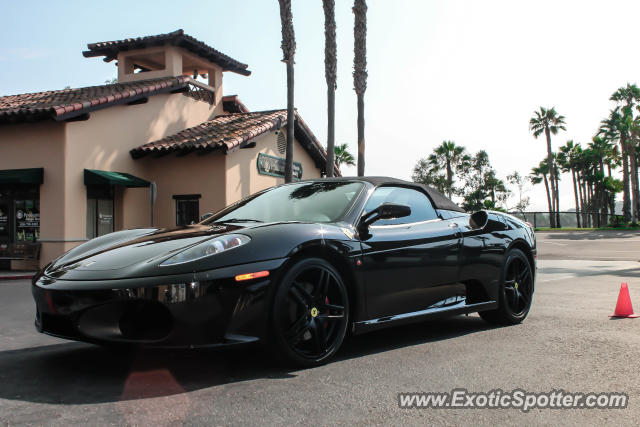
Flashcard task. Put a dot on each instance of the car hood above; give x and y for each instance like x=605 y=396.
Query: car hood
x=122 y=249
x=139 y=253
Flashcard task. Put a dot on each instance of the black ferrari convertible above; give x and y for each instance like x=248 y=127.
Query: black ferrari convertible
x=296 y=267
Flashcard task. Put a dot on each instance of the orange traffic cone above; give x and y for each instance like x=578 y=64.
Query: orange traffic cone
x=623 y=307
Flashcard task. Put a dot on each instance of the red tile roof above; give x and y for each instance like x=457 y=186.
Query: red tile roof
x=229 y=132
x=68 y=103
x=178 y=38
x=232 y=104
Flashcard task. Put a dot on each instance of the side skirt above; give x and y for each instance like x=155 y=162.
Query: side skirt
x=419 y=316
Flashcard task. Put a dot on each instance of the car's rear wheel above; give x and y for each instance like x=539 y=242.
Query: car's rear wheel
x=310 y=313
x=515 y=291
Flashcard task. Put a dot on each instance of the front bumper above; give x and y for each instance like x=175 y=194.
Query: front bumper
x=192 y=310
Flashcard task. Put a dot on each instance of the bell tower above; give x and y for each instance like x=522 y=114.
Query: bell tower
x=167 y=55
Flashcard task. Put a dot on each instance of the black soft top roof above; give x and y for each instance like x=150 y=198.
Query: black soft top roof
x=438 y=199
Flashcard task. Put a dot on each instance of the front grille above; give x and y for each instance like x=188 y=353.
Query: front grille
x=57 y=325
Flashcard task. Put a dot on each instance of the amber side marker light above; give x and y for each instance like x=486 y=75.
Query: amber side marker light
x=249 y=276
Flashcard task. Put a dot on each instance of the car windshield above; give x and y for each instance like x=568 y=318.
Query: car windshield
x=325 y=201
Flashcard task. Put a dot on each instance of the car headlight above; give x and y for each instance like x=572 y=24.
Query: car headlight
x=208 y=248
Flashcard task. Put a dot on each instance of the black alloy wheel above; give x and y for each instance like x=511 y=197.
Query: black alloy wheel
x=310 y=313
x=515 y=293
x=517 y=286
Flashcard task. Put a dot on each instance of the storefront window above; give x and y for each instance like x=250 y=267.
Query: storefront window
x=187 y=209
x=6 y=230
x=27 y=220
x=19 y=213
x=99 y=210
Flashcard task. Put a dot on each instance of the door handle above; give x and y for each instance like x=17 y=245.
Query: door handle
x=458 y=232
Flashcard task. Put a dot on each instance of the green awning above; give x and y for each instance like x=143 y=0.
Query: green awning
x=96 y=177
x=21 y=176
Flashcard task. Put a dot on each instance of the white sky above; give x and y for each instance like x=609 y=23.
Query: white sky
x=468 y=71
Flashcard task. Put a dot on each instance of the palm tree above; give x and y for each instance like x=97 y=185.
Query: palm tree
x=343 y=156
x=567 y=157
x=330 y=73
x=634 y=130
x=539 y=175
x=628 y=97
x=453 y=157
x=614 y=129
x=360 y=71
x=549 y=122
x=288 y=53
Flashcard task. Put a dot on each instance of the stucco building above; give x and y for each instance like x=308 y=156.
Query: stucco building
x=161 y=146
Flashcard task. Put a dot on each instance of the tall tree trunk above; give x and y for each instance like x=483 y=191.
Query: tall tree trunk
x=557 y=194
x=330 y=70
x=360 y=71
x=581 y=197
x=626 y=202
x=592 y=203
x=635 y=191
x=288 y=52
x=575 y=194
x=360 y=134
x=449 y=178
x=602 y=195
x=331 y=133
x=288 y=165
x=546 y=186
x=552 y=180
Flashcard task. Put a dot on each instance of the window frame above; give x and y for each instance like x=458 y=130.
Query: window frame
x=406 y=224
x=186 y=198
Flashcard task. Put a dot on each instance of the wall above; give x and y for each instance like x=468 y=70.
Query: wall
x=103 y=142
x=190 y=174
x=243 y=178
x=40 y=145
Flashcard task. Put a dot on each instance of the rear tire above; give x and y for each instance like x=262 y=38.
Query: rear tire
x=515 y=291
x=310 y=313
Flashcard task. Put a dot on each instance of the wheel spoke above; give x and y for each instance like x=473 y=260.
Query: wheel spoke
x=513 y=297
x=323 y=284
x=303 y=292
x=524 y=297
x=330 y=317
x=319 y=336
x=297 y=297
x=299 y=327
x=511 y=283
x=524 y=275
x=334 y=307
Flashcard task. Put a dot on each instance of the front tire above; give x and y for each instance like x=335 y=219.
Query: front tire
x=515 y=291
x=310 y=313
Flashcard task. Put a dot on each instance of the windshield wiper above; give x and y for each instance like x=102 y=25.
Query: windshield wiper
x=238 y=220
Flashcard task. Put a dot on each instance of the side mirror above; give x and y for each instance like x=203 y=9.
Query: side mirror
x=205 y=216
x=478 y=220
x=385 y=211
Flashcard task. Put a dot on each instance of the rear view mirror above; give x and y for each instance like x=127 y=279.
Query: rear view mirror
x=385 y=211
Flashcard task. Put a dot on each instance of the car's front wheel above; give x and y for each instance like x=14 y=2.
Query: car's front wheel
x=515 y=290
x=310 y=313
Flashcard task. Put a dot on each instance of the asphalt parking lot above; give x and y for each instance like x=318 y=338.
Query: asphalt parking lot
x=568 y=342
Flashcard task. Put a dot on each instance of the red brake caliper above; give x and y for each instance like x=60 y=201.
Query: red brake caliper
x=326 y=322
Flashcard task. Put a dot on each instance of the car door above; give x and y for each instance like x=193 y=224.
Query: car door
x=409 y=263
